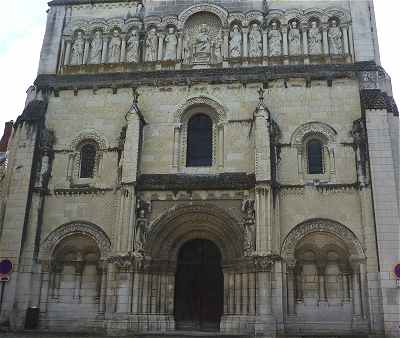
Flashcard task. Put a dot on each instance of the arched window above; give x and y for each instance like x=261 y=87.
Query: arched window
x=315 y=158
x=199 y=141
x=88 y=160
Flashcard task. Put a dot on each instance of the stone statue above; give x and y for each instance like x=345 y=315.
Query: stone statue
x=171 y=43
x=139 y=9
x=335 y=39
x=249 y=225
x=275 y=40
x=202 y=42
x=143 y=209
x=314 y=39
x=78 y=49
x=255 y=42
x=218 y=55
x=235 y=48
x=115 y=47
x=96 y=47
x=132 y=47
x=294 y=39
x=151 y=46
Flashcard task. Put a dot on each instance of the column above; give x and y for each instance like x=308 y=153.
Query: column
x=291 y=284
x=44 y=288
x=265 y=46
x=161 y=37
x=299 y=283
x=305 y=44
x=135 y=292
x=345 y=40
x=226 y=47
x=325 y=41
x=86 y=51
x=180 y=46
x=67 y=54
x=79 y=267
x=177 y=140
x=356 y=290
x=245 y=33
x=220 y=156
x=110 y=293
x=104 y=55
x=285 y=44
x=321 y=279
x=123 y=49
x=351 y=45
x=264 y=293
x=103 y=288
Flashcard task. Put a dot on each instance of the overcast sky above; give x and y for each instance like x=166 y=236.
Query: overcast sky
x=22 y=25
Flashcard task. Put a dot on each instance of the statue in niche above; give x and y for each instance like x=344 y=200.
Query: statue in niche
x=249 y=225
x=275 y=40
x=115 y=47
x=132 y=47
x=96 y=47
x=202 y=44
x=335 y=39
x=139 y=9
x=217 y=44
x=294 y=39
x=314 y=39
x=255 y=42
x=171 y=43
x=151 y=46
x=186 y=50
x=78 y=49
x=235 y=48
x=143 y=209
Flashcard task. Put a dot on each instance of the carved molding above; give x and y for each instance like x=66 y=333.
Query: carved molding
x=318 y=128
x=321 y=225
x=185 y=222
x=210 y=8
x=87 y=135
x=201 y=100
x=91 y=230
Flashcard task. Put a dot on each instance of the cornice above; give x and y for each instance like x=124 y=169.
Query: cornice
x=188 y=77
x=83 y=2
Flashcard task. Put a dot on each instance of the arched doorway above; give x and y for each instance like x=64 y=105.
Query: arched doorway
x=199 y=287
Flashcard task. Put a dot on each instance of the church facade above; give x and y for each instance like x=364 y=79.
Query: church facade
x=206 y=166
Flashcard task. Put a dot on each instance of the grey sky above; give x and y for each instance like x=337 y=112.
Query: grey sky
x=22 y=25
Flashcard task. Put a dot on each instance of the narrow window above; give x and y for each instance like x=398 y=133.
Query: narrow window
x=88 y=161
x=315 y=157
x=199 y=141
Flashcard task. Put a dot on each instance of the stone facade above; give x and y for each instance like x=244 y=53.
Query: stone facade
x=100 y=201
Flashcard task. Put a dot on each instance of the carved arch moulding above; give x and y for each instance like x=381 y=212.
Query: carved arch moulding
x=210 y=8
x=182 y=223
x=324 y=226
x=76 y=228
x=201 y=100
x=316 y=128
x=89 y=134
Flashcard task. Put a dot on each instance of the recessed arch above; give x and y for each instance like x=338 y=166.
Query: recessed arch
x=204 y=221
x=334 y=228
x=82 y=228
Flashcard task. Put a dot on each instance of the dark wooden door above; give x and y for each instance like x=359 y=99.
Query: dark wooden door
x=199 y=287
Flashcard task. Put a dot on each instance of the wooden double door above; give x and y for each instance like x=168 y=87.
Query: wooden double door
x=199 y=287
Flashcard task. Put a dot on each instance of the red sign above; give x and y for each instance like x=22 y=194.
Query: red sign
x=397 y=270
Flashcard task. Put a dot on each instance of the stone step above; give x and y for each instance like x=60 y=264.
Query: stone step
x=184 y=334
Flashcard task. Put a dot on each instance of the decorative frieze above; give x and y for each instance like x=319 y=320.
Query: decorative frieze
x=206 y=35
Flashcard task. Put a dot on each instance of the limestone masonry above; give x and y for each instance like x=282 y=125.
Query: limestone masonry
x=229 y=167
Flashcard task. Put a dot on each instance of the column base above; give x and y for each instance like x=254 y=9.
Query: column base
x=127 y=324
x=234 y=324
x=358 y=324
x=265 y=326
